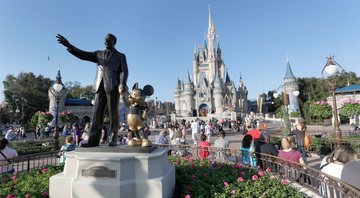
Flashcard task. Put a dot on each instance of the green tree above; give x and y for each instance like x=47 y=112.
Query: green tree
x=76 y=91
x=28 y=93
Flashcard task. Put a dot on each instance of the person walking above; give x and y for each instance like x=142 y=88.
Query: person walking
x=300 y=130
x=194 y=130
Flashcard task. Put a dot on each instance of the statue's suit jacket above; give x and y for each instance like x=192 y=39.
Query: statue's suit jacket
x=111 y=69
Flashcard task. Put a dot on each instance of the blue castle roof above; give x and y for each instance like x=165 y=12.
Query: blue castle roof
x=77 y=102
x=348 y=89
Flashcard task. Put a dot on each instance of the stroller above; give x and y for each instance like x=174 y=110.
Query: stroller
x=180 y=148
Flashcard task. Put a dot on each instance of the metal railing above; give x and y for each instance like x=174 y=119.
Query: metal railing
x=28 y=162
x=314 y=180
x=310 y=178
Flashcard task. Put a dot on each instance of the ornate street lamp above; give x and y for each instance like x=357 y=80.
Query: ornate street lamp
x=57 y=91
x=331 y=71
x=287 y=125
x=17 y=111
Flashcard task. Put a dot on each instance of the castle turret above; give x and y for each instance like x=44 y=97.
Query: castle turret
x=290 y=85
x=195 y=66
x=177 y=93
x=218 y=98
x=188 y=95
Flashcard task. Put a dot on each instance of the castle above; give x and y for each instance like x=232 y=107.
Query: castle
x=210 y=91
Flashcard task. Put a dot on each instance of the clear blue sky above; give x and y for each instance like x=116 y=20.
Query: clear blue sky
x=158 y=38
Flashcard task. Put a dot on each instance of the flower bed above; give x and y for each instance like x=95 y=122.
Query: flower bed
x=30 y=184
x=204 y=178
x=194 y=178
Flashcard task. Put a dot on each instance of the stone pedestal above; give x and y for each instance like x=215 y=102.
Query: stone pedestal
x=109 y=172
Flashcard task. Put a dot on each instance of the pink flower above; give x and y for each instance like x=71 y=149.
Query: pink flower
x=243 y=173
x=204 y=174
x=272 y=177
x=233 y=191
x=45 y=194
x=255 y=177
x=10 y=196
x=284 y=181
x=226 y=184
x=44 y=170
x=14 y=177
x=268 y=170
x=240 y=179
x=261 y=173
x=176 y=163
x=187 y=196
x=27 y=195
x=258 y=167
x=193 y=177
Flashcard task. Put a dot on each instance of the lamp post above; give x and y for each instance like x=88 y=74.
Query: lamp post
x=287 y=127
x=17 y=111
x=57 y=91
x=331 y=72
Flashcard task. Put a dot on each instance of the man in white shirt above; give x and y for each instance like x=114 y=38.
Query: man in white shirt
x=194 y=130
x=207 y=131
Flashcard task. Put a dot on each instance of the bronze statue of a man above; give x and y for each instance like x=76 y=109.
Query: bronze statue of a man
x=110 y=83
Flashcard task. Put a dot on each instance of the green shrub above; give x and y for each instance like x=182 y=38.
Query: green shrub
x=28 y=184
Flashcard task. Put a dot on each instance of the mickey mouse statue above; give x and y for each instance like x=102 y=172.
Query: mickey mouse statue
x=137 y=115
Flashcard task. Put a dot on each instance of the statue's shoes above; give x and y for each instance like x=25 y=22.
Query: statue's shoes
x=88 y=145
x=146 y=143
x=112 y=143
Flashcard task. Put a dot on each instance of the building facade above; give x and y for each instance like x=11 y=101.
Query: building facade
x=210 y=91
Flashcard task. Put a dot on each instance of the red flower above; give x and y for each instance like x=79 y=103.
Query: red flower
x=255 y=177
x=243 y=173
x=284 y=181
x=193 y=177
x=45 y=194
x=268 y=170
x=240 y=179
x=260 y=173
x=10 y=196
x=204 y=174
x=44 y=170
x=226 y=184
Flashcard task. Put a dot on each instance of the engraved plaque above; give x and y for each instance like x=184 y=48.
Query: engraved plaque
x=98 y=171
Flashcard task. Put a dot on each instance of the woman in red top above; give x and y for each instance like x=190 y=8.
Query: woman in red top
x=204 y=153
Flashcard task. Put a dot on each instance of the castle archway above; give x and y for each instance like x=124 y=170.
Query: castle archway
x=203 y=110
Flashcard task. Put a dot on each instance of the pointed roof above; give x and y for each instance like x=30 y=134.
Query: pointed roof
x=289 y=74
x=227 y=79
x=211 y=23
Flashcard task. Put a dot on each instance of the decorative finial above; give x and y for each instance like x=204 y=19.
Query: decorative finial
x=287 y=57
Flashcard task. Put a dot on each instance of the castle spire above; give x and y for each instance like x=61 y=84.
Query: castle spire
x=289 y=74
